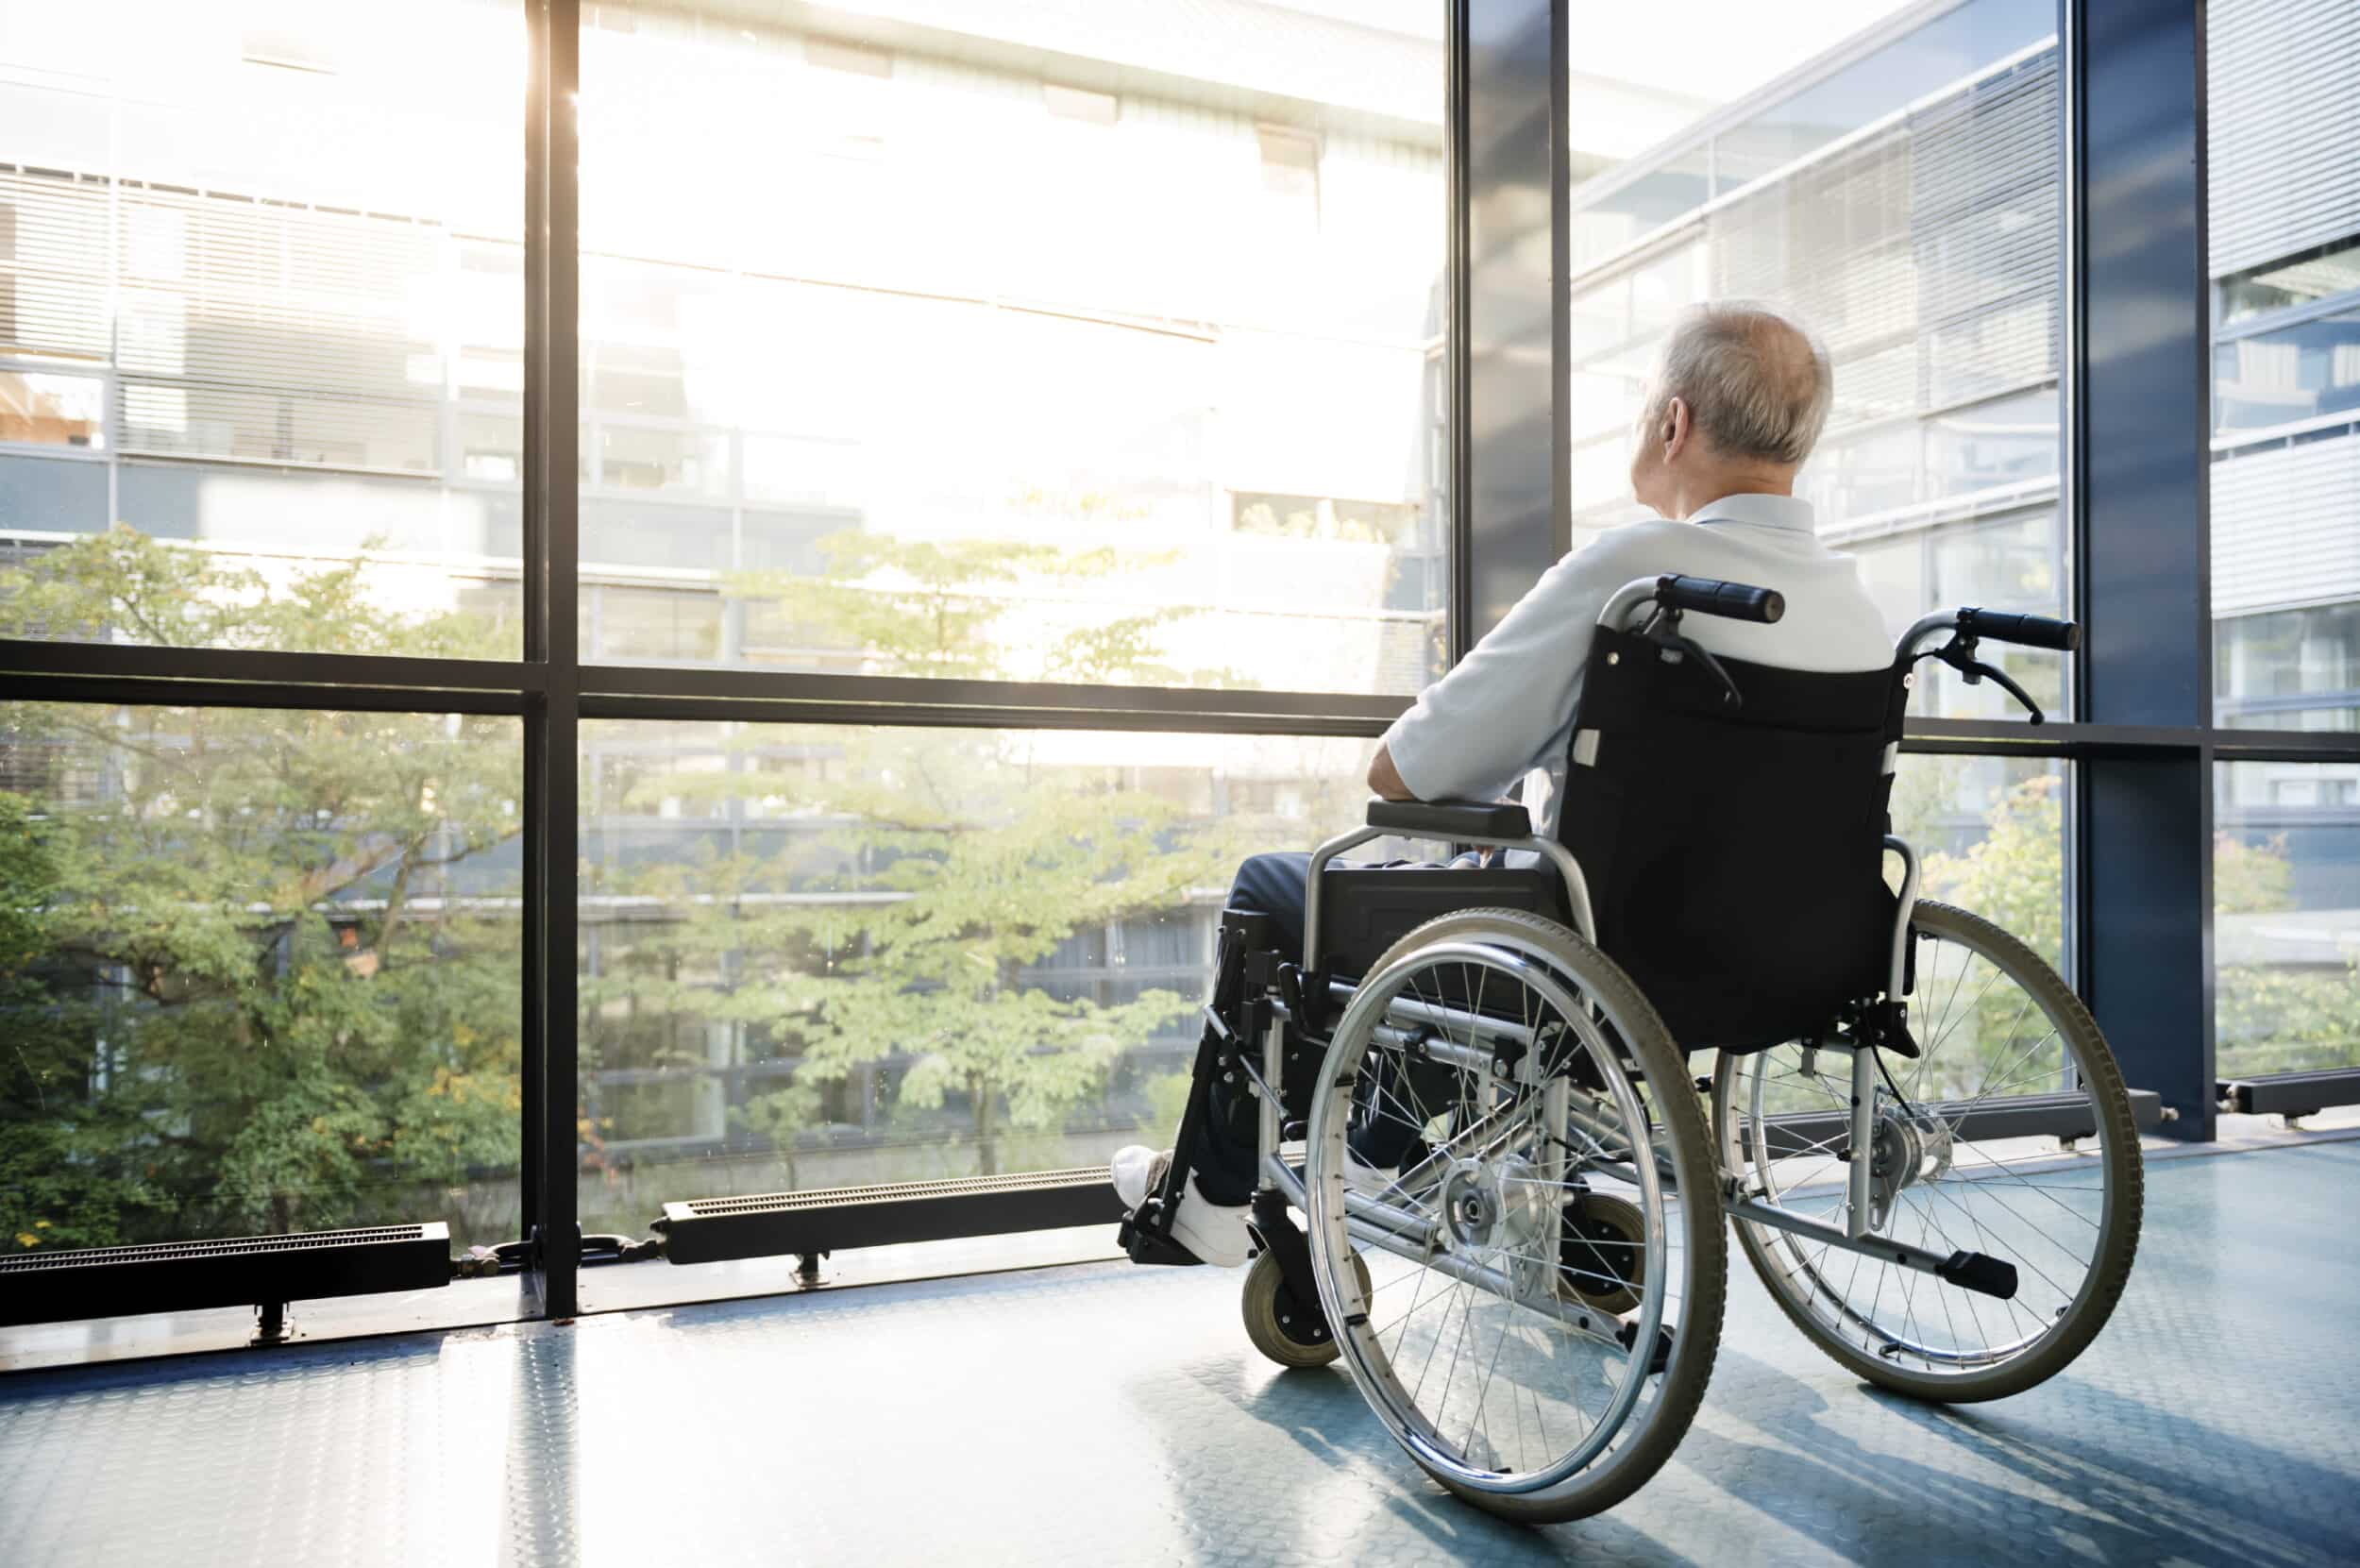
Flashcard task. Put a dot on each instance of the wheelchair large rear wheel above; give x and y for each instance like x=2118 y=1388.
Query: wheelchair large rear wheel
x=1966 y=1156
x=1546 y=1262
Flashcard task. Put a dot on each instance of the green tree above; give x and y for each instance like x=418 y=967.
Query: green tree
x=244 y=990
x=951 y=860
x=2273 y=1018
x=2013 y=876
x=2268 y=1017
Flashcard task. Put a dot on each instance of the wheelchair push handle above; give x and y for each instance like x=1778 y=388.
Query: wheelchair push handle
x=1708 y=596
x=2028 y=631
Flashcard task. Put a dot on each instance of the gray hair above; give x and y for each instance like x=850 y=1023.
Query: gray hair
x=1756 y=382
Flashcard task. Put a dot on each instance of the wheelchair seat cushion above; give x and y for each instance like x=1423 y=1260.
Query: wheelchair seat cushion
x=1366 y=909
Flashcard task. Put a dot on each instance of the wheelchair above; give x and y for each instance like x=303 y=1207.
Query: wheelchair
x=1477 y=1084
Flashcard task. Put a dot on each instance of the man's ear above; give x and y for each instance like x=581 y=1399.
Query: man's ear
x=1671 y=432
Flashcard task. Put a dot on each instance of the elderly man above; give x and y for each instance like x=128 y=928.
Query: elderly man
x=1737 y=397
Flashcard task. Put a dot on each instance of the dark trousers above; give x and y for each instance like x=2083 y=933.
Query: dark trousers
x=1224 y=1152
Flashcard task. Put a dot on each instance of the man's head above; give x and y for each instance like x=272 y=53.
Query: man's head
x=1737 y=397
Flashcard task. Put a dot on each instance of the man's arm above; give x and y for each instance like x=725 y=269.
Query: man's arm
x=1385 y=778
x=1473 y=732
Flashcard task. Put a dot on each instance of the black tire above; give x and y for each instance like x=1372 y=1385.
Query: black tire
x=1605 y=1241
x=2123 y=1182
x=1285 y=1330
x=1657 y=1067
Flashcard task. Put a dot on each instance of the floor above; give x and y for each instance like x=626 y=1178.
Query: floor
x=1103 y=1414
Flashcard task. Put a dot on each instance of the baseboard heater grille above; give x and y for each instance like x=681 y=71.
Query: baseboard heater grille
x=2015 y=1116
x=243 y=1271
x=717 y=1230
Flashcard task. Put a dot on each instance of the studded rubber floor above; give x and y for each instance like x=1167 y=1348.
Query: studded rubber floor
x=1108 y=1415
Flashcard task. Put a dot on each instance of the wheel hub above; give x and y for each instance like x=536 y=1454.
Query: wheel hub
x=1494 y=1205
x=1907 y=1148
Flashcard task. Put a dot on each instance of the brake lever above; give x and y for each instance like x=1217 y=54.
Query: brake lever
x=1672 y=642
x=1959 y=654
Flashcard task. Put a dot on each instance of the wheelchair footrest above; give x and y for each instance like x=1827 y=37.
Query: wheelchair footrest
x=1144 y=1241
x=1974 y=1271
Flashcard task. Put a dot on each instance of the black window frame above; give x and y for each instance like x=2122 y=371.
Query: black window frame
x=2144 y=743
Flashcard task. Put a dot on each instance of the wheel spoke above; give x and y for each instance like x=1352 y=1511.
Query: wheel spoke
x=1500 y=1358
x=1957 y=1191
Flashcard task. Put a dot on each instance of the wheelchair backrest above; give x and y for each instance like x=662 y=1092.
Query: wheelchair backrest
x=1734 y=851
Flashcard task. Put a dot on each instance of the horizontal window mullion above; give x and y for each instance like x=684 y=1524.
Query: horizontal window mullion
x=2016 y=738
x=963 y=716
x=784 y=688
x=148 y=691
x=2285 y=746
x=262 y=678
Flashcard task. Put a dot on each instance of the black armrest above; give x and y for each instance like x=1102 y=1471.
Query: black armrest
x=1451 y=818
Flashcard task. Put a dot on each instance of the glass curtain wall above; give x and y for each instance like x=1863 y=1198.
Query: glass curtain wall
x=827 y=956
x=1890 y=173
x=259 y=972
x=261 y=324
x=2285 y=512
x=978 y=342
x=985 y=340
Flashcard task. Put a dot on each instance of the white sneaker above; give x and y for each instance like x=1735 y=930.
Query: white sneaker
x=1137 y=1170
x=1213 y=1233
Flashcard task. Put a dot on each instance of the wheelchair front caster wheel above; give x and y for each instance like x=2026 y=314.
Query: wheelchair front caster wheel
x=1288 y=1331
x=1602 y=1258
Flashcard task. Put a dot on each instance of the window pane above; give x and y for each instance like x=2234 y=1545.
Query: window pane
x=2286 y=917
x=2285 y=214
x=260 y=273
x=2289 y=373
x=1029 y=379
x=1990 y=836
x=259 y=974
x=1894 y=182
x=819 y=956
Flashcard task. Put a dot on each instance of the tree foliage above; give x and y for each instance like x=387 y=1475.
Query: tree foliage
x=256 y=970
x=2269 y=1016
x=948 y=862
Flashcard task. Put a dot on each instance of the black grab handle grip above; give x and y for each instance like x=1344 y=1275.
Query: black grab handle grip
x=2030 y=631
x=1736 y=600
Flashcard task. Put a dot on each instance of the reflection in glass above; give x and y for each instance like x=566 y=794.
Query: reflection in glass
x=1018 y=347
x=2332 y=269
x=2285 y=461
x=2289 y=373
x=2286 y=917
x=262 y=262
x=2289 y=669
x=259 y=974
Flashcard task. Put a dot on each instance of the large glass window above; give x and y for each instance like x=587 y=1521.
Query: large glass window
x=2284 y=212
x=1990 y=835
x=259 y=974
x=820 y=956
x=1891 y=174
x=260 y=297
x=2286 y=917
x=968 y=350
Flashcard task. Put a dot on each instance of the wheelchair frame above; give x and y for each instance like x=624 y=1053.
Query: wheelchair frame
x=1555 y=1125
x=1275 y=1003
